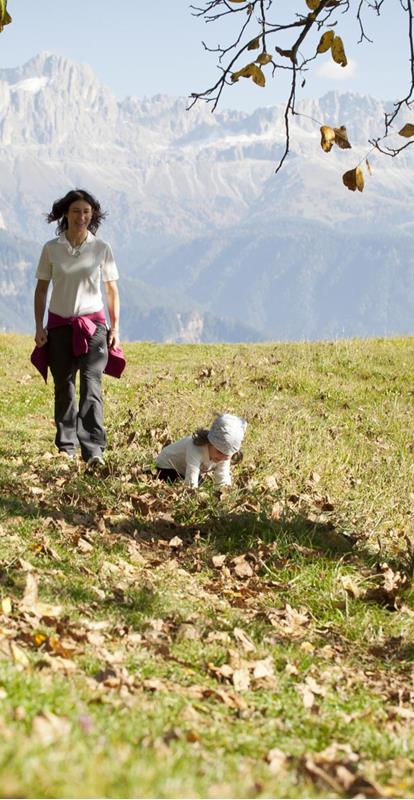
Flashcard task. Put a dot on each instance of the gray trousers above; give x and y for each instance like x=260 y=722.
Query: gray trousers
x=83 y=425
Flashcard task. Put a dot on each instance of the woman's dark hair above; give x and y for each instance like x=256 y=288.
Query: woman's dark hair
x=61 y=207
x=200 y=437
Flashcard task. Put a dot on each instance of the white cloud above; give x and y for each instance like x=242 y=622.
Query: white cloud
x=332 y=71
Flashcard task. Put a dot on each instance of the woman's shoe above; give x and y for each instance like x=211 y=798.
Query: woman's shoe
x=95 y=461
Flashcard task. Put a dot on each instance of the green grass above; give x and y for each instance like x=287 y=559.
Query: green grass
x=128 y=683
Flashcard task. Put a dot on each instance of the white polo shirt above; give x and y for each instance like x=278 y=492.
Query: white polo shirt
x=76 y=274
x=190 y=459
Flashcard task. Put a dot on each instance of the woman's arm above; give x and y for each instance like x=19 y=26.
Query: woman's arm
x=112 y=297
x=39 y=311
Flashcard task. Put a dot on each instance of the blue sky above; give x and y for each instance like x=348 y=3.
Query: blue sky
x=146 y=47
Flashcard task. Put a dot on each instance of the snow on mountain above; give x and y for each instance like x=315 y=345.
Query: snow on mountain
x=196 y=186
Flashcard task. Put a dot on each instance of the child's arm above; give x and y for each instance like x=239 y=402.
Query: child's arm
x=222 y=474
x=194 y=457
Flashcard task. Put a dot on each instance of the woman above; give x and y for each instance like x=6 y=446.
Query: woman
x=76 y=337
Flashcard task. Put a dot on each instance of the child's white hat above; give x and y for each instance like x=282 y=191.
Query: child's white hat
x=226 y=433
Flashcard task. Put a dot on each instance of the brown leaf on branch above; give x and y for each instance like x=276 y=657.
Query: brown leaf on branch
x=250 y=71
x=327 y=138
x=354 y=179
x=5 y=17
x=338 y=52
x=264 y=58
x=331 y=136
x=407 y=130
x=325 y=42
x=341 y=138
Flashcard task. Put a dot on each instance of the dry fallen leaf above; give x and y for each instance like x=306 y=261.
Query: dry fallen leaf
x=308 y=696
x=19 y=656
x=32 y=605
x=263 y=669
x=176 y=543
x=243 y=639
x=6 y=605
x=48 y=728
x=241 y=567
x=350 y=586
x=276 y=759
x=84 y=546
x=241 y=679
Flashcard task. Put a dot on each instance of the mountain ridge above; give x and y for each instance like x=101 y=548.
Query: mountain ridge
x=192 y=184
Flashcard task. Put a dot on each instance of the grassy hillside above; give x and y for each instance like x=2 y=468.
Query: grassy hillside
x=157 y=642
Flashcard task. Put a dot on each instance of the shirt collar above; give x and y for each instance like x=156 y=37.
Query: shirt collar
x=62 y=238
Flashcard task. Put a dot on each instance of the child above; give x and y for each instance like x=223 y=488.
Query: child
x=204 y=451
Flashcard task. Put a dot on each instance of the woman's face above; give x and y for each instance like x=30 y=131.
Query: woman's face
x=79 y=216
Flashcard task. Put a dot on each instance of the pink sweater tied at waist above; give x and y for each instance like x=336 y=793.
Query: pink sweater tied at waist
x=83 y=328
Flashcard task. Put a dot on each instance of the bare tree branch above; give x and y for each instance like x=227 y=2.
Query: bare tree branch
x=255 y=29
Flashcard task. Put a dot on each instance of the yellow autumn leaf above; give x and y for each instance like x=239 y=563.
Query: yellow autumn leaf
x=313 y=4
x=39 y=639
x=354 y=179
x=325 y=42
x=258 y=76
x=250 y=71
x=5 y=17
x=254 y=44
x=264 y=58
x=341 y=138
x=245 y=72
x=327 y=138
x=407 y=130
x=338 y=51
x=368 y=165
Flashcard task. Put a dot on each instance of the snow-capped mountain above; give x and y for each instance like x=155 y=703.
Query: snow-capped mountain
x=198 y=220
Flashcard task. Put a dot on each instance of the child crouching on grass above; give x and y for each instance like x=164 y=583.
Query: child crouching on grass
x=204 y=451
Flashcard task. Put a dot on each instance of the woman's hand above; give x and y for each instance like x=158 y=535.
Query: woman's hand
x=41 y=336
x=39 y=309
x=112 y=296
x=113 y=338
